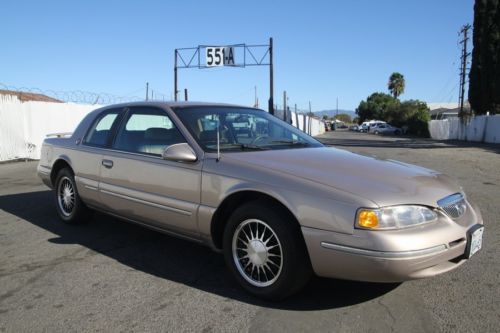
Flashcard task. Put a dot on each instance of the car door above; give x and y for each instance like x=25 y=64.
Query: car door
x=136 y=183
x=87 y=160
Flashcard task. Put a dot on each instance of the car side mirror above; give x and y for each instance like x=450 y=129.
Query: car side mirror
x=179 y=152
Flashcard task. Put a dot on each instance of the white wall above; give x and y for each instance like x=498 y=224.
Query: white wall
x=12 y=141
x=24 y=126
x=478 y=129
x=312 y=126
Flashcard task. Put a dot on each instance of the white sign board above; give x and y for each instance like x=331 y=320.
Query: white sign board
x=219 y=56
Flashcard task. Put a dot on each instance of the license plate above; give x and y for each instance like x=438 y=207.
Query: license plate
x=475 y=241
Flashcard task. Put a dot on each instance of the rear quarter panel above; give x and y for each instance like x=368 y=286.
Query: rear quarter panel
x=84 y=161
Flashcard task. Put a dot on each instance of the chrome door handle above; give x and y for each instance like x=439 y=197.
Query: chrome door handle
x=107 y=163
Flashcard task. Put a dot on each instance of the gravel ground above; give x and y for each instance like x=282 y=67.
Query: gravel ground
x=112 y=276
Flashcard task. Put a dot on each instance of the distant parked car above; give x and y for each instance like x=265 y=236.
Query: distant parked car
x=354 y=128
x=364 y=128
x=367 y=125
x=373 y=127
x=385 y=129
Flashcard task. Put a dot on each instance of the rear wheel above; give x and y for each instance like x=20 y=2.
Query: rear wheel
x=397 y=132
x=69 y=206
x=376 y=132
x=265 y=251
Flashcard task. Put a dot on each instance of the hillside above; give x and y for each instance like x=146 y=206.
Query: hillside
x=332 y=113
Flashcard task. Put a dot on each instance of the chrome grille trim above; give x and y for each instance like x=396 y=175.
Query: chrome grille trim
x=453 y=205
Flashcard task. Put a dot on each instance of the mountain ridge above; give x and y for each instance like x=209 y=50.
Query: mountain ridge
x=332 y=113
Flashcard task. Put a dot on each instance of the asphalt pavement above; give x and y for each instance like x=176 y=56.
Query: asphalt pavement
x=109 y=275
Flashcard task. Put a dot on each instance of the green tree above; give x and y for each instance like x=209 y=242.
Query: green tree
x=414 y=115
x=375 y=106
x=343 y=117
x=396 y=84
x=325 y=117
x=484 y=76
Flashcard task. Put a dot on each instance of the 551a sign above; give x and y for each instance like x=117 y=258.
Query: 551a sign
x=219 y=56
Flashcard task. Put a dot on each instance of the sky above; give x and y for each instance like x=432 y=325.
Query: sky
x=323 y=50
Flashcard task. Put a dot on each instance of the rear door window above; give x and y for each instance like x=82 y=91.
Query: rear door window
x=147 y=130
x=100 y=132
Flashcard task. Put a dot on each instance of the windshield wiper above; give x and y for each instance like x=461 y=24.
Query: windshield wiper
x=244 y=146
x=291 y=142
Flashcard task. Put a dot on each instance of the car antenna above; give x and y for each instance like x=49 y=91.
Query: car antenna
x=218 y=140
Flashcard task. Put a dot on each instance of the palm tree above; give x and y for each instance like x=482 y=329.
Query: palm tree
x=396 y=84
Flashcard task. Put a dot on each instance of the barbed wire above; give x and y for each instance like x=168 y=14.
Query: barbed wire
x=80 y=96
x=102 y=98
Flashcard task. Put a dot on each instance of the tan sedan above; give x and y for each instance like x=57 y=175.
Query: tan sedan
x=275 y=201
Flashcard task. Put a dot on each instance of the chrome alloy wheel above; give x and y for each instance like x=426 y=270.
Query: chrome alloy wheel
x=257 y=253
x=66 y=196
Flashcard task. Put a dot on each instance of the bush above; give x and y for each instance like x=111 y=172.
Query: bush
x=412 y=114
x=416 y=116
x=375 y=106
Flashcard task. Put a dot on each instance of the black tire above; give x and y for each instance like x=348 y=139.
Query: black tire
x=274 y=284
x=71 y=209
x=376 y=132
x=397 y=132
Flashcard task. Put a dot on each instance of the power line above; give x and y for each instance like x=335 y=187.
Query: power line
x=451 y=94
x=441 y=93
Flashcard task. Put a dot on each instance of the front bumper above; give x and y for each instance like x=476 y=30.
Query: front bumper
x=389 y=256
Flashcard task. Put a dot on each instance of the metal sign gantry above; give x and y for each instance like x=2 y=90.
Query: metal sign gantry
x=235 y=55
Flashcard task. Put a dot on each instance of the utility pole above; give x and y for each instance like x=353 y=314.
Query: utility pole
x=271 y=83
x=309 y=119
x=284 y=106
x=463 y=67
x=296 y=117
x=185 y=94
x=255 y=102
x=337 y=113
x=175 y=76
x=147 y=90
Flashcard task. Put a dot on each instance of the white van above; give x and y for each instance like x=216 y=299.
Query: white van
x=365 y=126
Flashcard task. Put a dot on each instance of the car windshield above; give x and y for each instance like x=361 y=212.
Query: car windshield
x=241 y=129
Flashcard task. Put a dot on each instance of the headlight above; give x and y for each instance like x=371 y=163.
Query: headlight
x=395 y=217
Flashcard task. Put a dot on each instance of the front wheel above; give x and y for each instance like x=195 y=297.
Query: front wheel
x=69 y=206
x=265 y=251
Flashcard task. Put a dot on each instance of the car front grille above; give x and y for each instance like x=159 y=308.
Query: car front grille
x=453 y=205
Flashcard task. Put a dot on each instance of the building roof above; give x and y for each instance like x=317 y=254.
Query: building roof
x=454 y=111
x=28 y=96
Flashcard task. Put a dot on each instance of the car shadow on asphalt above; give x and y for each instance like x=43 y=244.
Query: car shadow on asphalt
x=177 y=260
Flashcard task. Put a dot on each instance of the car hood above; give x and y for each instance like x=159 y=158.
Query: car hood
x=385 y=182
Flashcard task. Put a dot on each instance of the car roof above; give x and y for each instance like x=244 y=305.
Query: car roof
x=173 y=104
